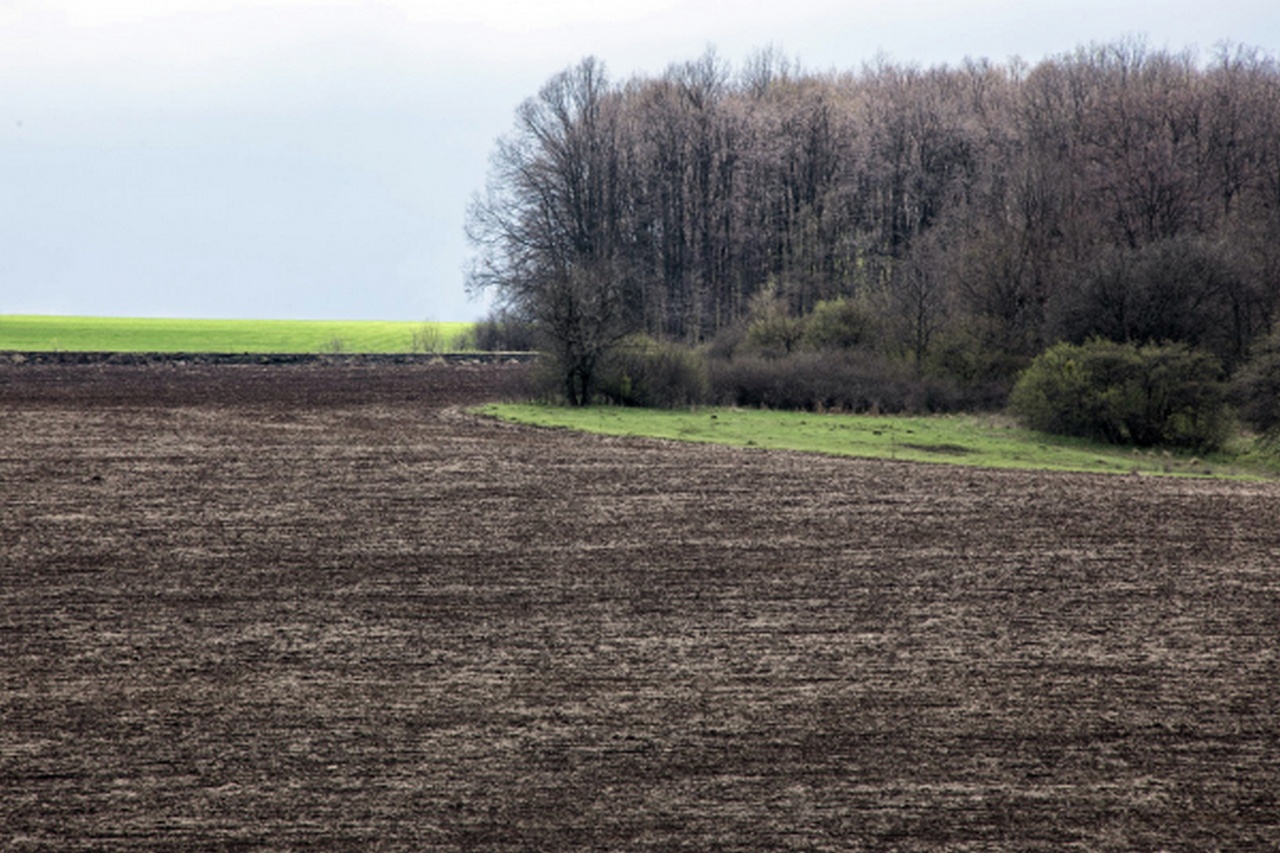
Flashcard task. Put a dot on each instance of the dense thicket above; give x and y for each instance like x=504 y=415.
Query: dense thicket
x=1257 y=391
x=1154 y=395
x=977 y=214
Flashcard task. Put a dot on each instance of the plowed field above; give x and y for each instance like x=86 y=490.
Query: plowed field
x=323 y=607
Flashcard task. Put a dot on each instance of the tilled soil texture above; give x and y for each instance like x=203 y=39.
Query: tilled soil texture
x=324 y=607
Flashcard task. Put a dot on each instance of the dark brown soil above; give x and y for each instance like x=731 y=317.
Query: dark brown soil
x=310 y=606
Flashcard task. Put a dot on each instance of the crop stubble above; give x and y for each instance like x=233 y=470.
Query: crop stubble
x=324 y=606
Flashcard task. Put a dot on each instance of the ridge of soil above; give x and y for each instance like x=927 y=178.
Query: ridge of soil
x=320 y=605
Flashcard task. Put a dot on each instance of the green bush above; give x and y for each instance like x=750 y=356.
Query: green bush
x=839 y=324
x=772 y=330
x=965 y=354
x=1157 y=395
x=967 y=350
x=645 y=372
x=1256 y=391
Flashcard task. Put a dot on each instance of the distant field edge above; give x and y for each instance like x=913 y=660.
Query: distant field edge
x=64 y=333
x=37 y=357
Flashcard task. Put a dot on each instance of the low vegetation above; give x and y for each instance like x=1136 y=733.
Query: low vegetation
x=1256 y=392
x=1152 y=396
x=1097 y=406
x=655 y=374
x=38 y=333
x=989 y=441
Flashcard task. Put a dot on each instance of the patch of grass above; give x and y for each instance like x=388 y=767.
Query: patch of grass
x=988 y=441
x=40 y=333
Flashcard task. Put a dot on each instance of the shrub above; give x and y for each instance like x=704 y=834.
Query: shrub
x=812 y=381
x=966 y=356
x=728 y=341
x=771 y=329
x=464 y=341
x=428 y=338
x=502 y=332
x=1256 y=390
x=645 y=372
x=839 y=324
x=543 y=382
x=967 y=351
x=1168 y=395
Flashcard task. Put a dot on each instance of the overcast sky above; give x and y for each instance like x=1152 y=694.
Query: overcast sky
x=313 y=159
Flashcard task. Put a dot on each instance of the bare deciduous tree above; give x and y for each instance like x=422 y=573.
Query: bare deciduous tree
x=548 y=229
x=982 y=196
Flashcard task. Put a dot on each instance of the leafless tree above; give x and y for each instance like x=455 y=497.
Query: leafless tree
x=547 y=230
x=981 y=196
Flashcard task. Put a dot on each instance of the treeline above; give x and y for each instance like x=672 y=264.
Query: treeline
x=968 y=218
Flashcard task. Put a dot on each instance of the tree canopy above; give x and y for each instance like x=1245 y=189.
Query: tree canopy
x=1116 y=191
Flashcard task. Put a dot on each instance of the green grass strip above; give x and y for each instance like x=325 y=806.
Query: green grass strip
x=990 y=441
x=39 y=333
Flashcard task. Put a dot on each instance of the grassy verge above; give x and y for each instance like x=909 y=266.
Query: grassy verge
x=982 y=441
x=38 y=333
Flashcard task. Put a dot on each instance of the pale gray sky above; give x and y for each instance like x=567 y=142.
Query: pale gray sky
x=315 y=158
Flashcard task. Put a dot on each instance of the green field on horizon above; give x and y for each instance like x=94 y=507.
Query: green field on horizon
x=48 y=333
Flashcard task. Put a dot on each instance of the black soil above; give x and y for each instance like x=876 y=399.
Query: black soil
x=322 y=606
